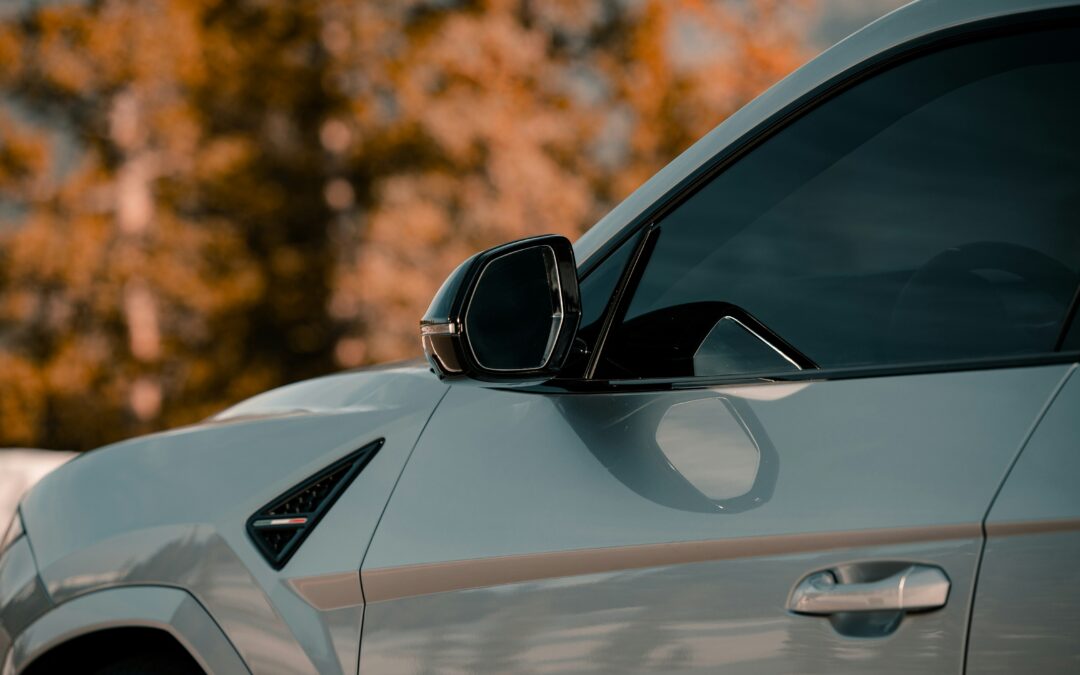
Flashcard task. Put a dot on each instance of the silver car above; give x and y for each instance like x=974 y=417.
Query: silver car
x=805 y=402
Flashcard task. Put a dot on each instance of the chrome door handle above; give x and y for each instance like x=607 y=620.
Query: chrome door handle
x=916 y=587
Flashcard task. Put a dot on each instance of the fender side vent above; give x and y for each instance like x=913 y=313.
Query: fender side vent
x=281 y=526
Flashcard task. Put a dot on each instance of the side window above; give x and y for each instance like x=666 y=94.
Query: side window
x=930 y=213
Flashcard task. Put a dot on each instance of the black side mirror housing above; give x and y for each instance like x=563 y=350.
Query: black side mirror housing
x=508 y=313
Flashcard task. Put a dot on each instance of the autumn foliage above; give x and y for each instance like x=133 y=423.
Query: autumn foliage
x=201 y=199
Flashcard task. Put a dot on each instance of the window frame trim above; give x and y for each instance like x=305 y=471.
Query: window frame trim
x=616 y=386
x=1070 y=318
x=619 y=301
x=651 y=218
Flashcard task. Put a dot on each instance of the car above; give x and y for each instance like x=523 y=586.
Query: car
x=806 y=401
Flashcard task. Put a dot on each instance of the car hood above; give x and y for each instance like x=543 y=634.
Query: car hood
x=148 y=510
x=362 y=390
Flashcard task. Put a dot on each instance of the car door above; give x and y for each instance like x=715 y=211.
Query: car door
x=1026 y=615
x=792 y=415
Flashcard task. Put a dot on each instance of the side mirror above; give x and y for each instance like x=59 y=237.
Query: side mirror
x=508 y=313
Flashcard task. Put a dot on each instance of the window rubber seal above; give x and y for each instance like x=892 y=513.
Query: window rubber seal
x=624 y=290
x=1068 y=321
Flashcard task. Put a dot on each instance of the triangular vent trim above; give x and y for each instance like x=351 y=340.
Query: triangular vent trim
x=281 y=526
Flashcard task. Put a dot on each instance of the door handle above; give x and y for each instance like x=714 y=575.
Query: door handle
x=916 y=587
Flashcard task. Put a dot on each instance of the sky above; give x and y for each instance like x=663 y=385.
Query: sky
x=840 y=18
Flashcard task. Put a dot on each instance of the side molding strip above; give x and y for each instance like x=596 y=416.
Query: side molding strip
x=391 y=583
x=330 y=591
x=1021 y=527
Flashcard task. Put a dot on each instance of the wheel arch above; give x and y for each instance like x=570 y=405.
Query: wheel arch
x=169 y=617
x=103 y=647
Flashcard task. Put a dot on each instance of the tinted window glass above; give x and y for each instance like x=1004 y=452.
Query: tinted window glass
x=928 y=213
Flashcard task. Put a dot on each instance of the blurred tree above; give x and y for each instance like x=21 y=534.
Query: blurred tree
x=473 y=123
x=179 y=259
x=200 y=199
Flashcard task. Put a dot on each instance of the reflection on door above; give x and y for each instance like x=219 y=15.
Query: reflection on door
x=707 y=455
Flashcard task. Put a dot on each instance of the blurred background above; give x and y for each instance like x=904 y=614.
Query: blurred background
x=203 y=199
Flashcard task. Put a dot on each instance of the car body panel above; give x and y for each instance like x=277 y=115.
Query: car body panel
x=22 y=596
x=175 y=509
x=700 y=617
x=1025 y=615
x=169 y=609
x=501 y=530
x=592 y=501
x=908 y=24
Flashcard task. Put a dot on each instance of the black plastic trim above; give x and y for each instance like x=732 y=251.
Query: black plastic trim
x=624 y=290
x=582 y=386
x=1067 y=323
x=356 y=461
x=443 y=329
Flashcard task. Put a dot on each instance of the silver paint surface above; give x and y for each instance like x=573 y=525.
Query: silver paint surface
x=22 y=597
x=171 y=508
x=724 y=616
x=169 y=609
x=1026 y=616
x=583 y=472
x=390 y=583
x=510 y=474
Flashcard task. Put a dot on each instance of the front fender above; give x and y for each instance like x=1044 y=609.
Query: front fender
x=168 y=609
x=171 y=510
